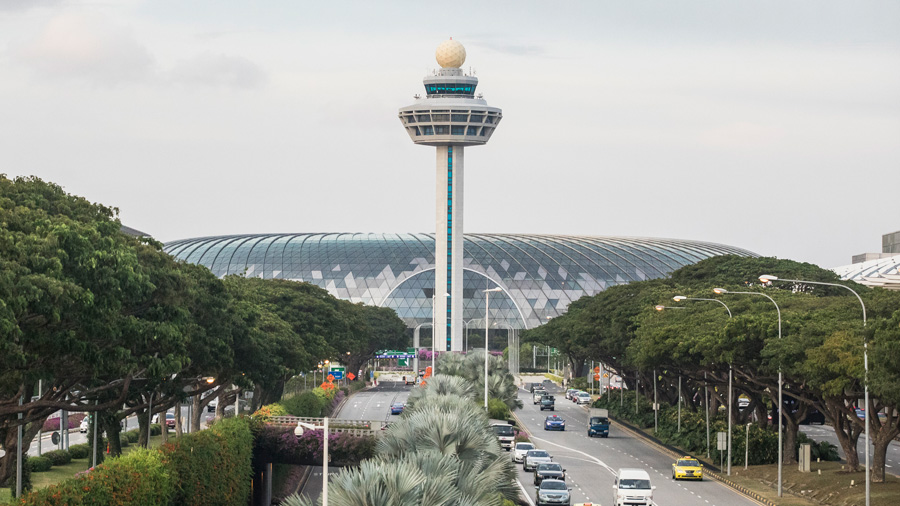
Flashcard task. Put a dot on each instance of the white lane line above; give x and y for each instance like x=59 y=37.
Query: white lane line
x=525 y=493
x=589 y=457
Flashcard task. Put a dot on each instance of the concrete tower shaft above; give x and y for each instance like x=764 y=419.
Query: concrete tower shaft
x=449 y=117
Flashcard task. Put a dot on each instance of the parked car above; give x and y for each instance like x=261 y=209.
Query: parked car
x=520 y=450
x=574 y=397
x=535 y=457
x=84 y=425
x=170 y=420
x=551 y=471
x=583 y=398
x=554 y=422
x=552 y=492
x=397 y=408
x=570 y=392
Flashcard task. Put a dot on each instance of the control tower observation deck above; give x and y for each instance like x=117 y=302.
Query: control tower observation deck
x=449 y=117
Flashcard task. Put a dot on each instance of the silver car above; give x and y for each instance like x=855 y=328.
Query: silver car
x=520 y=450
x=552 y=492
x=538 y=394
x=535 y=457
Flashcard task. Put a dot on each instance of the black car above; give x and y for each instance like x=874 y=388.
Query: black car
x=548 y=402
x=551 y=471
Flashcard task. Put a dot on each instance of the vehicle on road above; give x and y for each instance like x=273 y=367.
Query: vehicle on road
x=535 y=457
x=598 y=422
x=552 y=492
x=548 y=402
x=397 y=408
x=570 y=392
x=212 y=405
x=551 y=471
x=632 y=487
x=505 y=433
x=518 y=453
x=687 y=467
x=554 y=422
x=583 y=398
x=84 y=425
x=538 y=393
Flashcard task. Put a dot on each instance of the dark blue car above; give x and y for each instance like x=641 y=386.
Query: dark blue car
x=554 y=422
x=397 y=408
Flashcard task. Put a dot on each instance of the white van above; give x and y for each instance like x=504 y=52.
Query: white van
x=632 y=487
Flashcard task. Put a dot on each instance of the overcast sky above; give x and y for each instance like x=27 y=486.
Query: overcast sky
x=772 y=126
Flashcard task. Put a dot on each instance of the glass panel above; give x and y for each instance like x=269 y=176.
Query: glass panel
x=460 y=117
x=477 y=118
x=440 y=117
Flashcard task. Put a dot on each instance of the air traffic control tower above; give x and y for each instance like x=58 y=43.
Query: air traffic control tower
x=449 y=117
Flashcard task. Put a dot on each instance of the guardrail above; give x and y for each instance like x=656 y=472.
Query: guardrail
x=335 y=425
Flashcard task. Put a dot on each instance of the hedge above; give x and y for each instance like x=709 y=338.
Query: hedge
x=213 y=466
x=59 y=457
x=39 y=464
x=80 y=451
x=208 y=467
x=133 y=435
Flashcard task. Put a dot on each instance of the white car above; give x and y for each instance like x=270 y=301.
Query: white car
x=632 y=487
x=583 y=398
x=535 y=457
x=538 y=393
x=570 y=392
x=84 y=425
x=520 y=450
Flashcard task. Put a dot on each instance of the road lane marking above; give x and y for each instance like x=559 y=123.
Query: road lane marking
x=590 y=457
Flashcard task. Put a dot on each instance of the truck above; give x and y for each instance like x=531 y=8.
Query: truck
x=505 y=433
x=598 y=422
x=548 y=402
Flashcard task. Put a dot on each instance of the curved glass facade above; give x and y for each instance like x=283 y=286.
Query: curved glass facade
x=539 y=274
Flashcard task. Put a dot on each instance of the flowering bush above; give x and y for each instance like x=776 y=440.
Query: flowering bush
x=52 y=424
x=265 y=413
x=279 y=444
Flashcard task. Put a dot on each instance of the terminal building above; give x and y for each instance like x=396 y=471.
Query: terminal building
x=539 y=275
x=876 y=269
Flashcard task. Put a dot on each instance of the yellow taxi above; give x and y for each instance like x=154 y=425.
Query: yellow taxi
x=687 y=468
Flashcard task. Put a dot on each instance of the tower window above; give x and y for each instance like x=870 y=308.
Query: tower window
x=441 y=130
x=458 y=130
x=423 y=117
x=477 y=118
x=410 y=119
x=471 y=131
x=428 y=130
x=460 y=117
x=440 y=117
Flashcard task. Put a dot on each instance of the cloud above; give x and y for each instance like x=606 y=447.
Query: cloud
x=86 y=47
x=23 y=5
x=219 y=70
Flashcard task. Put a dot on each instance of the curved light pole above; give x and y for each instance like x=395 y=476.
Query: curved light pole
x=780 y=382
x=416 y=345
x=487 y=328
x=767 y=278
x=466 y=331
x=679 y=298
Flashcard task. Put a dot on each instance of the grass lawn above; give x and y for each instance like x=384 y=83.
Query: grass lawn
x=832 y=487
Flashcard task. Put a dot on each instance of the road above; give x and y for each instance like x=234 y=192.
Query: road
x=371 y=404
x=826 y=433
x=591 y=463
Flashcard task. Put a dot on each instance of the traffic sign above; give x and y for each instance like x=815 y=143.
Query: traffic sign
x=596 y=377
x=336 y=374
x=606 y=375
x=597 y=369
x=351 y=376
x=721 y=441
x=331 y=377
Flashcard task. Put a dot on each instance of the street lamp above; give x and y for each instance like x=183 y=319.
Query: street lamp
x=466 y=331
x=679 y=298
x=416 y=345
x=766 y=279
x=299 y=432
x=487 y=328
x=780 y=382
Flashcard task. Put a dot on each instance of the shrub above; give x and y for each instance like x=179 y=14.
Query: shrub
x=497 y=409
x=155 y=429
x=306 y=404
x=59 y=457
x=123 y=441
x=265 y=413
x=133 y=436
x=212 y=466
x=80 y=451
x=137 y=478
x=39 y=464
x=26 y=476
x=280 y=444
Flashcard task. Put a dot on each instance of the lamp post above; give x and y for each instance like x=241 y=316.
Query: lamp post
x=487 y=327
x=766 y=278
x=466 y=331
x=780 y=382
x=416 y=346
x=299 y=432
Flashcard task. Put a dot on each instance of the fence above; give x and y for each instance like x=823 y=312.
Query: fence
x=335 y=425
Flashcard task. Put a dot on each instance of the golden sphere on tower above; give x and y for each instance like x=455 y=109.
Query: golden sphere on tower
x=450 y=54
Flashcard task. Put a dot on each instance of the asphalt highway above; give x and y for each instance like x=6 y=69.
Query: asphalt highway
x=591 y=463
x=826 y=433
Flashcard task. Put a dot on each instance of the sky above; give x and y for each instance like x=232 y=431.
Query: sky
x=772 y=126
